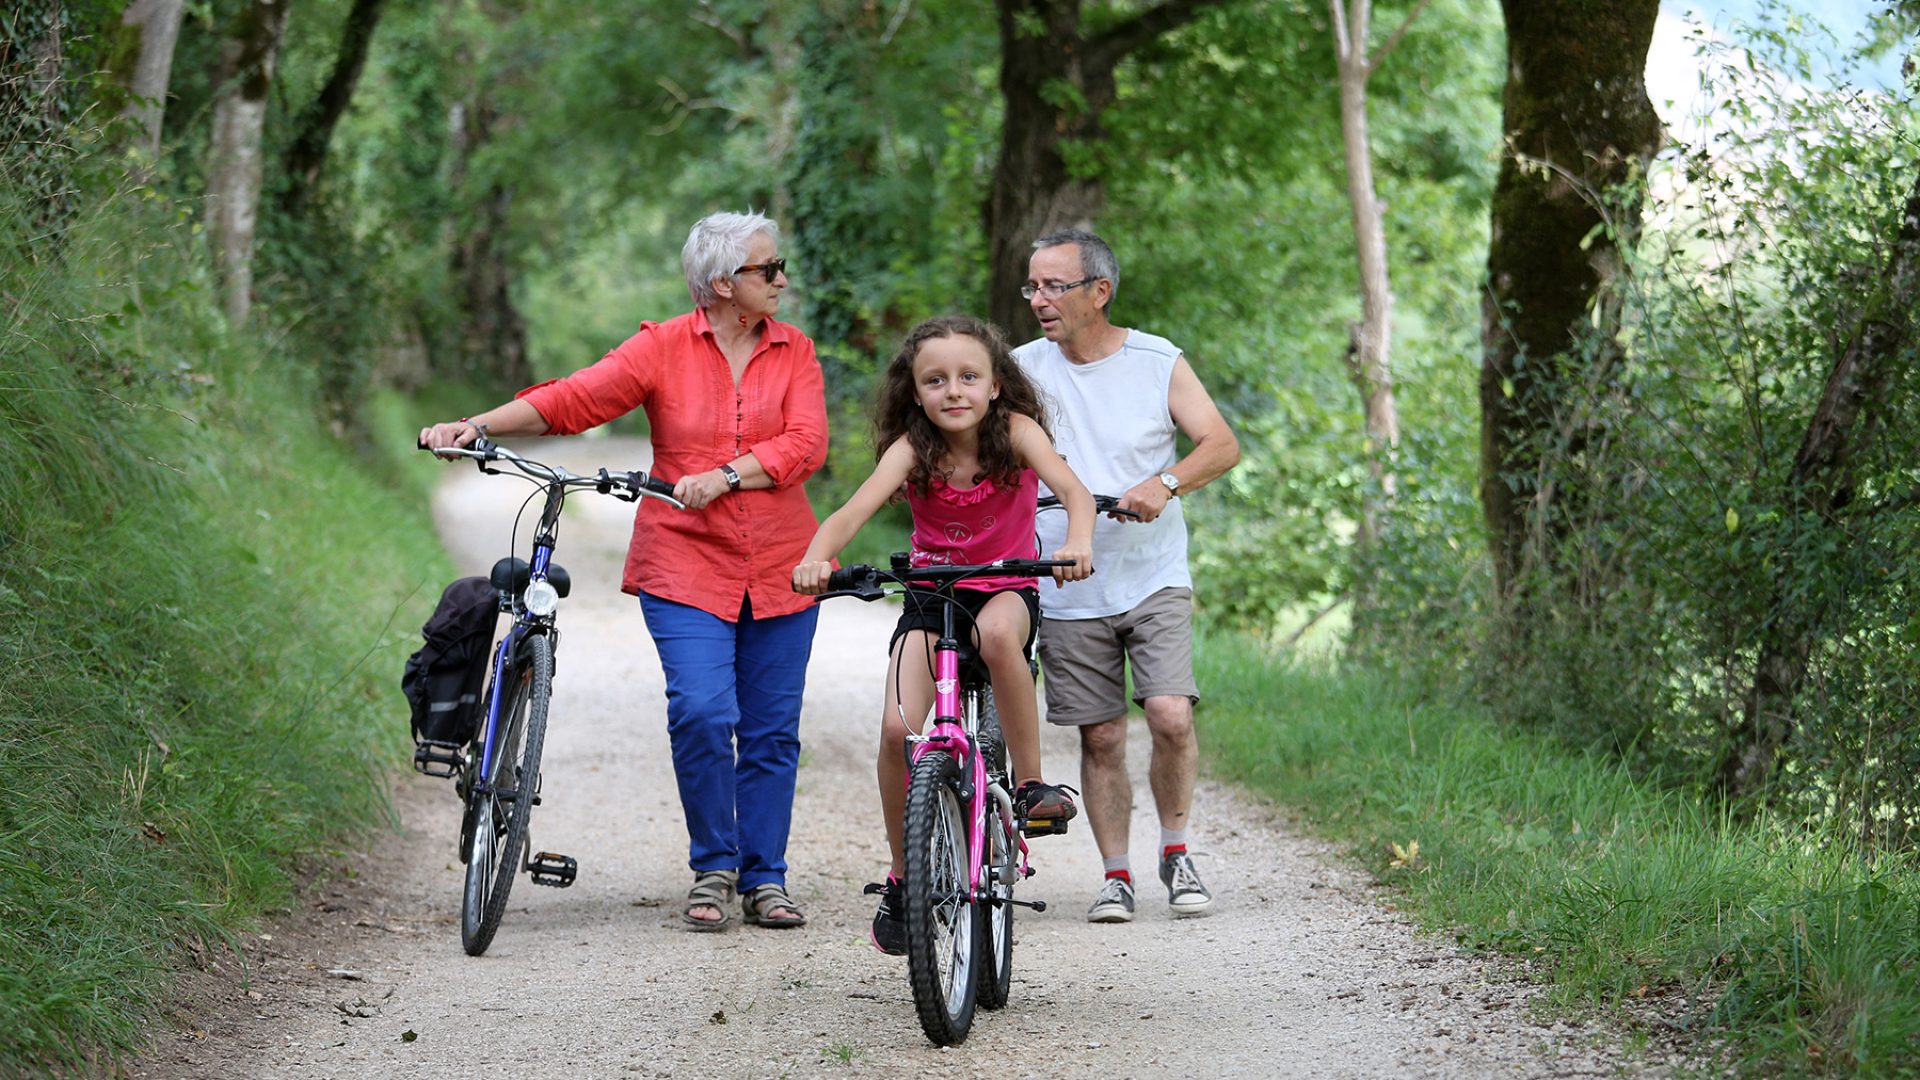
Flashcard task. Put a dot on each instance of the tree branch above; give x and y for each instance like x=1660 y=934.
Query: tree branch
x=1373 y=62
x=1105 y=51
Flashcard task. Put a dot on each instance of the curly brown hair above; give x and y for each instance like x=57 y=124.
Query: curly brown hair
x=897 y=412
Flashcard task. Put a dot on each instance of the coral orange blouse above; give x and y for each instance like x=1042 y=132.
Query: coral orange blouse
x=744 y=545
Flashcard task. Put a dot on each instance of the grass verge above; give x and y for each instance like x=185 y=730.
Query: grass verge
x=1795 y=951
x=205 y=600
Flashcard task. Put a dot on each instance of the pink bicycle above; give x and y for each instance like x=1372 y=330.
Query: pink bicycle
x=965 y=846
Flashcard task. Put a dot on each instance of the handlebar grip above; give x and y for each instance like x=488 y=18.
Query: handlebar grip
x=849 y=578
x=651 y=483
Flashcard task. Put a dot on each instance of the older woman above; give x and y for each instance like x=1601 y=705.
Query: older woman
x=738 y=413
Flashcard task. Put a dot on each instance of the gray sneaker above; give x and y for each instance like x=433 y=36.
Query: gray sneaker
x=1185 y=894
x=1114 y=903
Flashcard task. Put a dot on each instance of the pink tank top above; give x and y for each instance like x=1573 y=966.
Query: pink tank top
x=980 y=524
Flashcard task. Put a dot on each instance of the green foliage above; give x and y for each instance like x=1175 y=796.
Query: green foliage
x=1679 y=538
x=1788 y=943
x=203 y=645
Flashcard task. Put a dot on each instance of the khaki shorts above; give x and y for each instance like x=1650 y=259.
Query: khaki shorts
x=1085 y=659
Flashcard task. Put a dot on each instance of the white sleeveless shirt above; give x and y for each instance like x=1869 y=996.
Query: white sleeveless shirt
x=1112 y=422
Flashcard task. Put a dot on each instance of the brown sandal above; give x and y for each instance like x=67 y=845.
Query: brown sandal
x=714 y=889
x=758 y=903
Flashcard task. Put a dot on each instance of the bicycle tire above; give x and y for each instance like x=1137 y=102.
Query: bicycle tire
x=994 y=929
x=499 y=843
x=940 y=915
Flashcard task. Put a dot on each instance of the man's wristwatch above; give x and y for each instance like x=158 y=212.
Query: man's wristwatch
x=1172 y=482
x=733 y=477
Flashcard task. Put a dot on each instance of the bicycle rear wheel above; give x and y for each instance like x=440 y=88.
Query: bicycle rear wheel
x=940 y=914
x=994 y=924
x=504 y=800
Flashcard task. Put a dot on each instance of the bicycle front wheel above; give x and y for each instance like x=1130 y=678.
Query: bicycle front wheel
x=504 y=801
x=940 y=913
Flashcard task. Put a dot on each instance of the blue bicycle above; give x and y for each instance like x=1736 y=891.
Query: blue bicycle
x=498 y=774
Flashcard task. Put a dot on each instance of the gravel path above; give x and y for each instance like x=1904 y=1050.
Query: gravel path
x=1302 y=971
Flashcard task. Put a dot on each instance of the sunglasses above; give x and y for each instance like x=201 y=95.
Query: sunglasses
x=772 y=268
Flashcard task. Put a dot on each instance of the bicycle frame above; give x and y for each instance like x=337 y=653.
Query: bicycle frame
x=954 y=728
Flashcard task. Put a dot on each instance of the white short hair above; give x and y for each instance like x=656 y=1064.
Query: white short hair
x=717 y=245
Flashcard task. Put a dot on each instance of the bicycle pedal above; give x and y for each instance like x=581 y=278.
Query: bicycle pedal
x=548 y=868
x=1043 y=826
x=437 y=759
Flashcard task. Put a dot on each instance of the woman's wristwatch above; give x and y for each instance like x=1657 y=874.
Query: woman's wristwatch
x=733 y=477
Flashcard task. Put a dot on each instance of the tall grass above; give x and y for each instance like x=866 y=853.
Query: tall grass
x=204 y=599
x=1790 y=947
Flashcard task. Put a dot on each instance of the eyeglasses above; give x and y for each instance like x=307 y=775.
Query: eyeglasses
x=1052 y=291
x=772 y=268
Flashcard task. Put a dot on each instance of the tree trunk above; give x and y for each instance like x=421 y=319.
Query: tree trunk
x=308 y=151
x=1821 y=486
x=159 y=23
x=247 y=61
x=493 y=335
x=1041 y=43
x=1369 y=340
x=1580 y=131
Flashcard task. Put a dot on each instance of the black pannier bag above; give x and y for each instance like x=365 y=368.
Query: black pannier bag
x=445 y=679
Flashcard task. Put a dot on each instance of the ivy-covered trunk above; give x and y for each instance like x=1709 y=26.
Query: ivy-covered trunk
x=1579 y=134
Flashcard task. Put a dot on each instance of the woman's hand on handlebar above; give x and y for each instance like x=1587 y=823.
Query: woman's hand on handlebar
x=697 y=490
x=810 y=578
x=1082 y=557
x=456 y=433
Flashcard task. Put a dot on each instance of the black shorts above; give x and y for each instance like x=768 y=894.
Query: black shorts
x=920 y=610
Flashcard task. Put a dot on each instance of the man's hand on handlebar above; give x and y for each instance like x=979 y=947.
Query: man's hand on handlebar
x=1148 y=498
x=810 y=578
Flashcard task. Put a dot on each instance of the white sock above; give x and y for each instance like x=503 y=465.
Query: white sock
x=1172 y=838
x=1118 y=862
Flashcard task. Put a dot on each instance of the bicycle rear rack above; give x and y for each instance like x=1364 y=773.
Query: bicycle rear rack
x=438 y=759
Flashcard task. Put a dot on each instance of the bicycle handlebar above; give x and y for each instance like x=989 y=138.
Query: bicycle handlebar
x=1102 y=504
x=627 y=486
x=867 y=582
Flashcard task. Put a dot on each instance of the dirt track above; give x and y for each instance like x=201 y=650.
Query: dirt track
x=1302 y=971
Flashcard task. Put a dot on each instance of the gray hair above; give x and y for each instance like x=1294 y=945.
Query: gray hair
x=1096 y=258
x=716 y=245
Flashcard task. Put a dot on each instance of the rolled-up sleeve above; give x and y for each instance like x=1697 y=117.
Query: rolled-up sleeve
x=614 y=386
x=800 y=448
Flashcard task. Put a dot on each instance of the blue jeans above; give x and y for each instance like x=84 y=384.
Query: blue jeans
x=733 y=720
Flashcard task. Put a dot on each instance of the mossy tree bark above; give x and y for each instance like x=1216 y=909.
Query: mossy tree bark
x=1580 y=132
x=247 y=61
x=1056 y=81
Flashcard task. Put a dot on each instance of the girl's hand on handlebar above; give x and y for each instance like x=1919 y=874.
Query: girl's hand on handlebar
x=810 y=578
x=1082 y=568
x=456 y=433
x=697 y=490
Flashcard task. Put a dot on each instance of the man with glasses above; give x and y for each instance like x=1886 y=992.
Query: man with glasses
x=1116 y=398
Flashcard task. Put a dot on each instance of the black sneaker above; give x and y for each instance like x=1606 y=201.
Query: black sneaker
x=890 y=921
x=1043 y=803
x=1185 y=894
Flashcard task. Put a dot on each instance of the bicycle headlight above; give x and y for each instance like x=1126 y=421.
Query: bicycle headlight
x=541 y=599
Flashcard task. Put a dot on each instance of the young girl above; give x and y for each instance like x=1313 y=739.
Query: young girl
x=958 y=425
